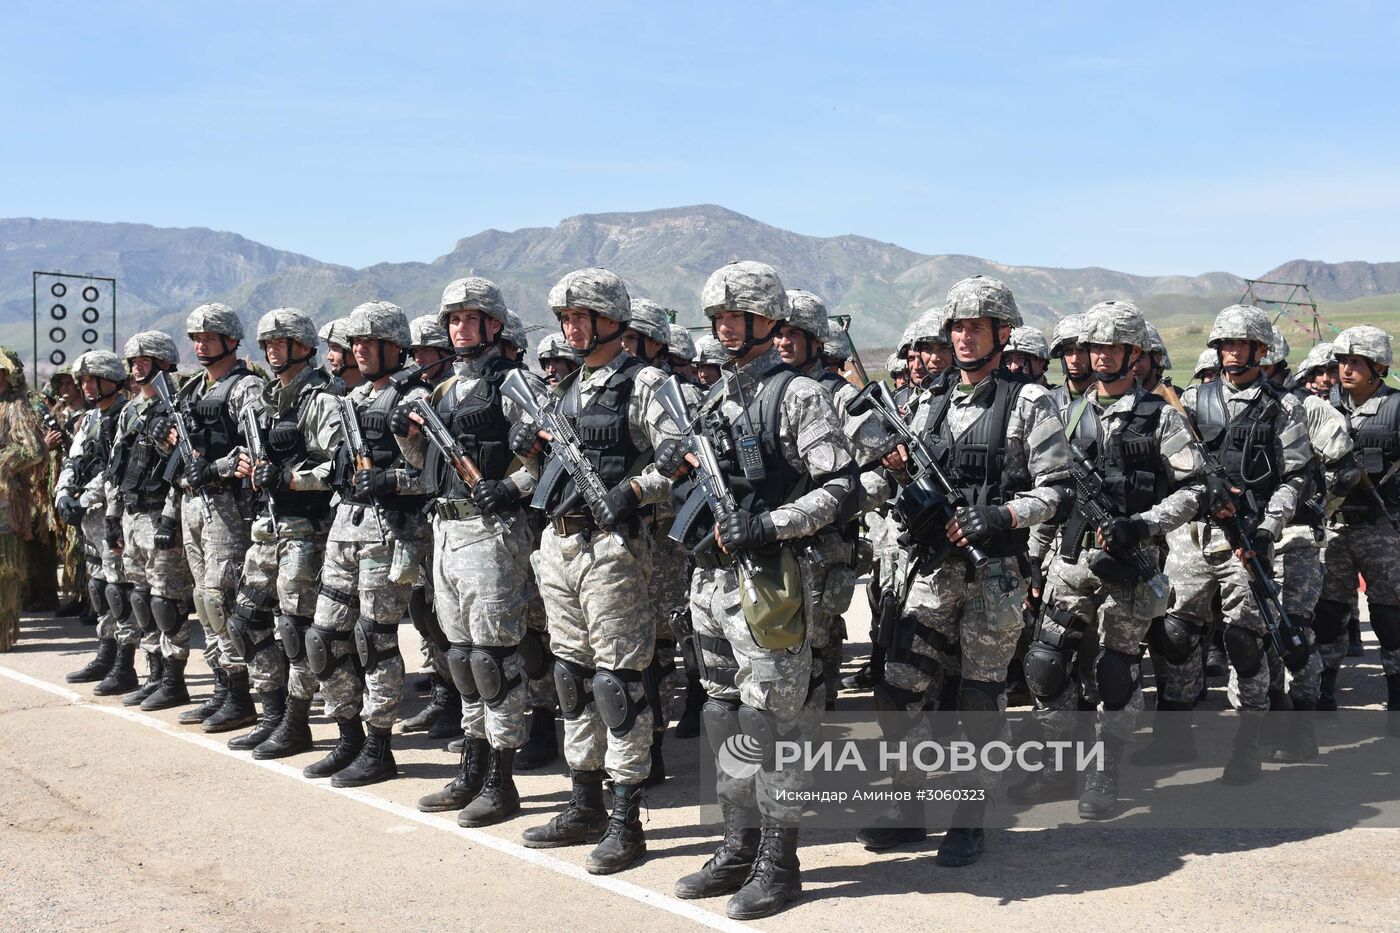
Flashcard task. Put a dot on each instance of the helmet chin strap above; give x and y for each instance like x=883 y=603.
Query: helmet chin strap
x=741 y=351
x=289 y=361
x=484 y=340
x=383 y=370
x=228 y=351
x=974 y=365
x=1110 y=377
x=598 y=338
x=1238 y=368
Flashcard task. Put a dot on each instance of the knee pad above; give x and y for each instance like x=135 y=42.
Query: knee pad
x=978 y=702
x=243 y=625
x=1179 y=638
x=761 y=726
x=1048 y=671
x=536 y=659
x=291 y=631
x=459 y=665
x=897 y=698
x=1245 y=650
x=168 y=615
x=215 y=610
x=141 y=609
x=370 y=655
x=1385 y=622
x=574 y=685
x=1330 y=620
x=1117 y=676
x=117 y=603
x=97 y=594
x=489 y=672
x=612 y=693
x=424 y=619
x=721 y=721
x=320 y=650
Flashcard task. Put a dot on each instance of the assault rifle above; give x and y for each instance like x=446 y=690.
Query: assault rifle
x=1095 y=509
x=183 y=446
x=360 y=455
x=252 y=433
x=451 y=449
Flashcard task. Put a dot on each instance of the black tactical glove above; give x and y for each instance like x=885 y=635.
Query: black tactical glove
x=524 y=439
x=1123 y=534
x=1263 y=541
x=69 y=510
x=167 y=530
x=399 y=422
x=982 y=523
x=494 y=495
x=269 y=477
x=620 y=505
x=670 y=458
x=742 y=529
x=1218 y=494
x=199 y=474
x=112 y=531
x=374 y=481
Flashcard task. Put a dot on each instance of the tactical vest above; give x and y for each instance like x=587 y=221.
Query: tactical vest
x=976 y=462
x=98 y=453
x=829 y=380
x=762 y=416
x=603 y=432
x=1377 y=443
x=139 y=467
x=475 y=418
x=213 y=426
x=1247 y=447
x=286 y=446
x=1130 y=462
x=383 y=449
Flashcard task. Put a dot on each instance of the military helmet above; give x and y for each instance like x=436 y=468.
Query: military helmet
x=980 y=296
x=334 y=333
x=379 y=320
x=681 y=344
x=807 y=313
x=104 y=364
x=514 y=331
x=897 y=365
x=1069 y=331
x=838 y=347
x=1319 y=357
x=650 y=320
x=472 y=293
x=1363 y=340
x=214 y=319
x=425 y=331
x=1030 y=341
x=553 y=346
x=906 y=340
x=1155 y=344
x=152 y=343
x=1208 y=361
x=596 y=290
x=747 y=286
x=1115 y=322
x=1241 y=322
x=1278 y=349
x=710 y=352
x=287 y=324
x=927 y=328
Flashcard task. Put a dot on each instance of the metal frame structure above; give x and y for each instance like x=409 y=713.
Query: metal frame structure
x=1251 y=297
x=34 y=279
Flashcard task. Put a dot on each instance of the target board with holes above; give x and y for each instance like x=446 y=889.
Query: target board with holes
x=72 y=315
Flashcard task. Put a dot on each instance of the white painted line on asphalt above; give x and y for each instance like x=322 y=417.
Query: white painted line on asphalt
x=534 y=857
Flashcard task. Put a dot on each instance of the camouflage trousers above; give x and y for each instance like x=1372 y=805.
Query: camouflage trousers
x=1198 y=579
x=539 y=691
x=214 y=547
x=1300 y=572
x=669 y=593
x=595 y=591
x=103 y=564
x=1119 y=616
x=356 y=590
x=480 y=580
x=783 y=684
x=1373 y=551
x=831 y=580
x=160 y=573
x=280 y=572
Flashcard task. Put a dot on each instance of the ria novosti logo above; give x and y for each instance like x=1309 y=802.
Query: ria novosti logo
x=740 y=757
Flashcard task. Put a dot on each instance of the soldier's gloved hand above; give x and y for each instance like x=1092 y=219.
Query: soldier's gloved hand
x=269 y=477
x=69 y=510
x=494 y=495
x=742 y=529
x=979 y=524
x=670 y=458
x=1220 y=497
x=200 y=473
x=399 y=422
x=112 y=531
x=524 y=439
x=167 y=530
x=1263 y=541
x=1123 y=534
x=622 y=502
x=375 y=481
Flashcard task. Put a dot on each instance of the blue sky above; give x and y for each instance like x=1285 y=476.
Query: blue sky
x=1153 y=138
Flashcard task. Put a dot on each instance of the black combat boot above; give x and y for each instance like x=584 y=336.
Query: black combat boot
x=373 y=764
x=347 y=748
x=657 y=774
x=121 y=676
x=1099 y=800
x=155 y=665
x=238 y=709
x=688 y=726
x=97 y=668
x=1172 y=739
x=211 y=704
x=542 y=745
x=1327 y=695
x=1243 y=766
x=1392 y=704
x=1047 y=784
x=498 y=800
x=292 y=735
x=447 y=724
x=471 y=774
x=622 y=844
x=583 y=820
x=902 y=824
x=729 y=867
x=172 y=690
x=274 y=704
x=437 y=702
x=862 y=679
x=962 y=844
x=774 y=881
x=1300 y=744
